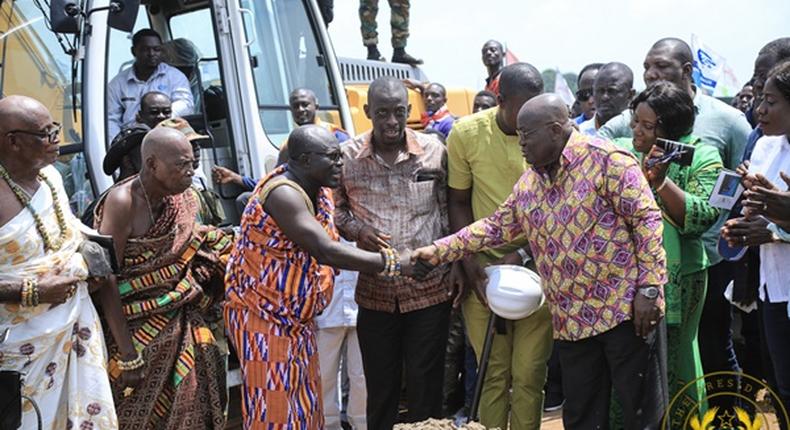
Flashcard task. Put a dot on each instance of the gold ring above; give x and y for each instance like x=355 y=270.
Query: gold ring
x=128 y=391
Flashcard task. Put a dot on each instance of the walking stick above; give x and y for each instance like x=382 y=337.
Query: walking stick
x=483 y=366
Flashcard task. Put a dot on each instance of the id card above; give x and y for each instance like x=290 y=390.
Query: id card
x=727 y=191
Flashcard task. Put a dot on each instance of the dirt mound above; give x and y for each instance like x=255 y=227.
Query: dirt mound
x=434 y=424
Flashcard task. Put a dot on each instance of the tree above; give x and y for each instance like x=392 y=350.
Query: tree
x=548 y=76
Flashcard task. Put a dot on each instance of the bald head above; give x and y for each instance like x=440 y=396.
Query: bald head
x=315 y=155
x=542 y=109
x=388 y=109
x=612 y=91
x=678 y=48
x=520 y=80
x=304 y=105
x=303 y=92
x=387 y=86
x=309 y=138
x=21 y=112
x=669 y=59
x=616 y=71
x=168 y=161
x=163 y=142
x=544 y=129
x=28 y=137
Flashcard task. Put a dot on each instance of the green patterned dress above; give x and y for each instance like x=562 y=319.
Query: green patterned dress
x=686 y=265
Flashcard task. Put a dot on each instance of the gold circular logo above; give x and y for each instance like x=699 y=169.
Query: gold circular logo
x=732 y=401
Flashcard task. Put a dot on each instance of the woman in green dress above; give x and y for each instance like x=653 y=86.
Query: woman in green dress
x=664 y=111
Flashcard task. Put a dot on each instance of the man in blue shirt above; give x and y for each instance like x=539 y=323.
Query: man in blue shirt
x=726 y=128
x=148 y=73
x=584 y=94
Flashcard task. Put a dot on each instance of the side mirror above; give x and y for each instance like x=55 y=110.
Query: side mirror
x=64 y=16
x=123 y=14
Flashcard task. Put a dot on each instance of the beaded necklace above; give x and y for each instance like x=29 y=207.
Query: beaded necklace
x=50 y=243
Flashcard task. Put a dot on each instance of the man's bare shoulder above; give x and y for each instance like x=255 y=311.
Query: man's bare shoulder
x=284 y=199
x=119 y=199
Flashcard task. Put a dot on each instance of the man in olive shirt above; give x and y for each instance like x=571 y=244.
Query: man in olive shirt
x=484 y=163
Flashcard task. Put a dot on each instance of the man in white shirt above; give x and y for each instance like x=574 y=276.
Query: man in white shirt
x=337 y=342
x=148 y=73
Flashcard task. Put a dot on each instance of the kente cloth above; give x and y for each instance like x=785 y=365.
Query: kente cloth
x=59 y=349
x=274 y=289
x=169 y=279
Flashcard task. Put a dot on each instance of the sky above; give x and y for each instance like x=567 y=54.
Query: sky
x=565 y=34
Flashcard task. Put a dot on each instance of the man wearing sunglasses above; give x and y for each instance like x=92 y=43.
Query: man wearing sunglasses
x=584 y=95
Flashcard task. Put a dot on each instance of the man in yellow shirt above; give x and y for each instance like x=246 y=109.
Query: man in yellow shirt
x=485 y=161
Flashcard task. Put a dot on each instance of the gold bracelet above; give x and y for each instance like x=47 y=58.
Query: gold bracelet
x=34 y=286
x=661 y=187
x=29 y=292
x=24 y=300
x=133 y=364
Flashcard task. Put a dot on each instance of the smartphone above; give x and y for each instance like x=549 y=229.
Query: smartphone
x=676 y=152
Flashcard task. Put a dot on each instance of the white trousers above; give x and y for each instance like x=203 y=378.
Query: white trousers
x=330 y=348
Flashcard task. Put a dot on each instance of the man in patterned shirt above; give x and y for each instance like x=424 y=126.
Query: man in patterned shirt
x=393 y=193
x=596 y=232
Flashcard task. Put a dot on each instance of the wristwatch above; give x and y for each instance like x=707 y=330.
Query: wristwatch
x=649 y=292
x=524 y=256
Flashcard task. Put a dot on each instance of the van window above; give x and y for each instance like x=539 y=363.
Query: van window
x=285 y=55
x=34 y=64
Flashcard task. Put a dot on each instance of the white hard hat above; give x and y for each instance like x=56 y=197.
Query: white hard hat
x=513 y=292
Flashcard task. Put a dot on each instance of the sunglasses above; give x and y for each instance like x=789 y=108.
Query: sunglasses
x=584 y=95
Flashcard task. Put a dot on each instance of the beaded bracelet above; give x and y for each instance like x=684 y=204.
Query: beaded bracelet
x=133 y=364
x=29 y=292
x=385 y=256
x=26 y=293
x=392 y=266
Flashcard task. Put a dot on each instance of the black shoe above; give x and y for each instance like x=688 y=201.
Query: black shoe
x=374 y=54
x=553 y=402
x=400 y=56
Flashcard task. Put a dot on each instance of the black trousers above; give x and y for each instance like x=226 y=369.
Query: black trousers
x=387 y=341
x=777 y=336
x=716 y=348
x=634 y=367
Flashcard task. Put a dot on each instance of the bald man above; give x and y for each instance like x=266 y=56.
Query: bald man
x=590 y=219
x=493 y=53
x=279 y=280
x=303 y=105
x=727 y=129
x=612 y=91
x=171 y=274
x=50 y=330
x=393 y=193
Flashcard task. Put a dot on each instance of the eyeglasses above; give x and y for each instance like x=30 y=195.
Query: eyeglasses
x=525 y=134
x=50 y=135
x=584 y=95
x=335 y=156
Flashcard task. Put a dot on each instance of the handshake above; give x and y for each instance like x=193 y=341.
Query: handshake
x=415 y=264
x=419 y=263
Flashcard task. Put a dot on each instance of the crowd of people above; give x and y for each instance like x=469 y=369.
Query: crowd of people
x=370 y=250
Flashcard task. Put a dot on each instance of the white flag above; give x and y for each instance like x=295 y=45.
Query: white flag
x=728 y=85
x=562 y=89
x=708 y=65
